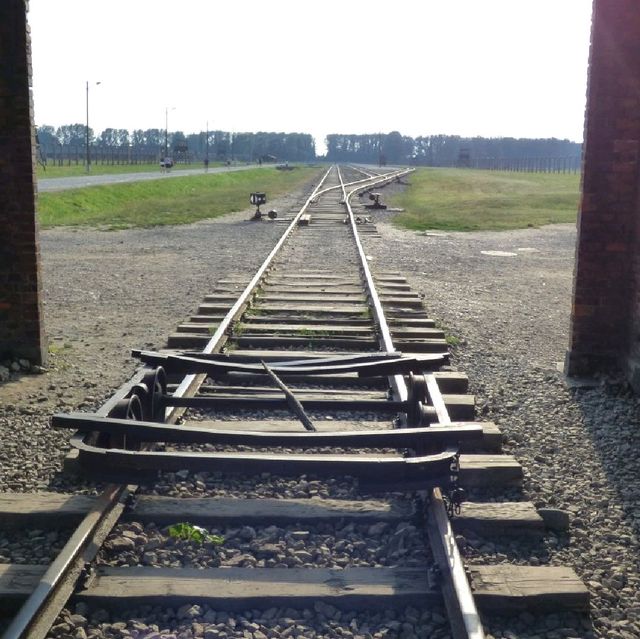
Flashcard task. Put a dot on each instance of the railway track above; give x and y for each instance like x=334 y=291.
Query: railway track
x=293 y=461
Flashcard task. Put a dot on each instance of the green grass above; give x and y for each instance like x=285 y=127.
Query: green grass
x=163 y=202
x=471 y=200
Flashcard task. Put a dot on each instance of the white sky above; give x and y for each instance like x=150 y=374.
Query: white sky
x=469 y=67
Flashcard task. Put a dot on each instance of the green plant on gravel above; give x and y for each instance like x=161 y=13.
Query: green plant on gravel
x=54 y=348
x=190 y=532
x=238 y=329
x=452 y=340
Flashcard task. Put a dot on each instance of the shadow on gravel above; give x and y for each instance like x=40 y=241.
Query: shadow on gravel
x=611 y=416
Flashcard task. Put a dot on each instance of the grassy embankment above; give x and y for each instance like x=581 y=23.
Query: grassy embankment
x=166 y=201
x=470 y=200
x=109 y=169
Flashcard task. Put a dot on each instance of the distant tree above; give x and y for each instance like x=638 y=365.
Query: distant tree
x=114 y=137
x=178 y=140
x=153 y=138
x=46 y=136
x=221 y=145
x=73 y=134
x=393 y=148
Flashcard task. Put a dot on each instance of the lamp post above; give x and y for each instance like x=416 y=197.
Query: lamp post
x=206 y=155
x=87 y=135
x=166 y=130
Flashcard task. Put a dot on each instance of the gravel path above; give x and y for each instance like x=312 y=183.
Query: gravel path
x=509 y=312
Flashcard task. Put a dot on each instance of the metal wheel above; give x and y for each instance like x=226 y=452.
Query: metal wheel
x=127 y=408
x=417 y=388
x=155 y=382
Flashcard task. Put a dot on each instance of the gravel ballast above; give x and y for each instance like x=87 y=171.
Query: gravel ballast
x=194 y=621
x=299 y=546
x=578 y=444
x=108 y=292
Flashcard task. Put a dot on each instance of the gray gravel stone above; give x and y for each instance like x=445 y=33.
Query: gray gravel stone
x=578 y=445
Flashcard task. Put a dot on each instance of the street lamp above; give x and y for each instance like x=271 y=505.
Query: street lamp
x=166 y=130
x=87 y=136
x=206 y=157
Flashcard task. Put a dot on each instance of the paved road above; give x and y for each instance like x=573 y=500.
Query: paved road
x=80 y=181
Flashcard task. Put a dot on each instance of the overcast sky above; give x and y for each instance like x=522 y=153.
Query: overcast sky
x=469 y=67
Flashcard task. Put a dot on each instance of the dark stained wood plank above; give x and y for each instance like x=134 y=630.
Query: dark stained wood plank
x=366 y=343
x=503 y=587
x=312 y=298
x=510 y=588
x=297 y=320
x=17 y=582
x=314 y=310
x=416 y=333
x=22 y=510
x=305 y=330
x=307 y=393
x=421 y=345
x=491 y=440
x=243 y=588
x=211 y=511
x=401 y=302
x=452 y=382
x=501 y=518
x=291 y=426
x=489 y=470
x=461 y=408
x=294 y=289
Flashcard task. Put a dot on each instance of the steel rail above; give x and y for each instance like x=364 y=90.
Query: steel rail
x=39 y=611
x=192 y=381
x=364 y=171
x=386 y=343
x=463 y=614
x=378 y=179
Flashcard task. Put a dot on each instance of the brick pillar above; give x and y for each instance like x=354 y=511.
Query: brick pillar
x=21 y=322
x=605 y=311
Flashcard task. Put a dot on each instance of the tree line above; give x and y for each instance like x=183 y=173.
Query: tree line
x=441 y=150
x=370 y=148
x=217 y=145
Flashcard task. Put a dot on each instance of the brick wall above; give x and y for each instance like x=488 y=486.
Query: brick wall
x=605 y=319
x=21 y=325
